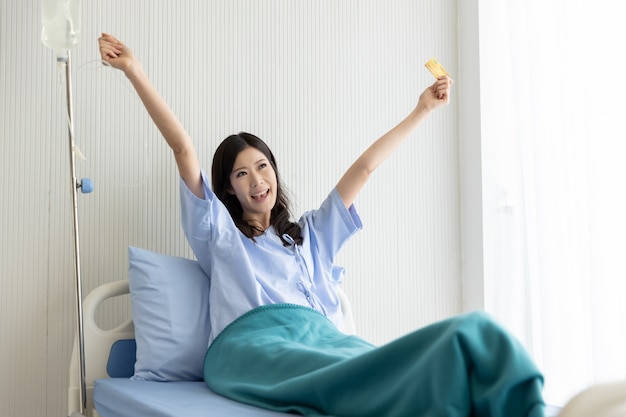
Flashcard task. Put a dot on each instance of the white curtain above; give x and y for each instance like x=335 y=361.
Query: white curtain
x=553 y=113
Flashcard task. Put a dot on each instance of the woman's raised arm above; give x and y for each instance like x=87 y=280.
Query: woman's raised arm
x=359 y=172
x=119 y=56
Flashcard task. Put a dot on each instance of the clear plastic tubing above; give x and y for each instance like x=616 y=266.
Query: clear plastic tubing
x=61 y=20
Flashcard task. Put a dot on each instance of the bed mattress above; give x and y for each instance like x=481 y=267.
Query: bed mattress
x=118 y=397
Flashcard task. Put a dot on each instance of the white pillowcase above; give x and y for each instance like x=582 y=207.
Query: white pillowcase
x=170 y=304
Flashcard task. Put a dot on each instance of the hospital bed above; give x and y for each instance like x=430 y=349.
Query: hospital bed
x=168 y=289
x=126 y=374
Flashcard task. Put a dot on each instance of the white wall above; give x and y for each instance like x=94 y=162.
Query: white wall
x=318 y=80
x=470 y=156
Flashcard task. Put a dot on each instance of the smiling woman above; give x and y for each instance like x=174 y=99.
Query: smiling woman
x=253 y=182
x=295 y=310
x=245 y=177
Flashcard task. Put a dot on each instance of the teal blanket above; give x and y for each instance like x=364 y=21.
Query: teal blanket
x=292 y=359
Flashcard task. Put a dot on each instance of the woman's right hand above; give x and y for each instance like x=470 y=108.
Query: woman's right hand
x=116 y=54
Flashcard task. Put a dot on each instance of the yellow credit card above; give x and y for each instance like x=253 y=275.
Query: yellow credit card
x=435 y=68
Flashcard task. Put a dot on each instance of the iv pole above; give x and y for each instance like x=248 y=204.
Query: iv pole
x=61 y=31
x=77 y=269
x=74 y=186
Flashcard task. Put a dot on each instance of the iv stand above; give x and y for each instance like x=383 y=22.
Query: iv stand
x=78 y=281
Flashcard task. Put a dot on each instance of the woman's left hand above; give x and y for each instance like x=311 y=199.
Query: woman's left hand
x=437 y=94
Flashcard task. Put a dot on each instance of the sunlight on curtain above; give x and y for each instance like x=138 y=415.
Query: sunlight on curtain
x=553 y=134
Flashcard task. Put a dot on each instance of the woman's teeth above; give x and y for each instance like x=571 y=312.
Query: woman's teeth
x=260 y=195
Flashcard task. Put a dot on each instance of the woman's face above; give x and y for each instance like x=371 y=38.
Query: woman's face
x=253 y=182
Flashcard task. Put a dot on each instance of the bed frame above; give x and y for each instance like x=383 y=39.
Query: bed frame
x=98 y=344
x=111 y=353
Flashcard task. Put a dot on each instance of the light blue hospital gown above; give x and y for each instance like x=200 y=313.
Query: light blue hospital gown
x=246 y=274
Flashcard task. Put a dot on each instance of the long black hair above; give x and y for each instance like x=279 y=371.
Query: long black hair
x=223 y=161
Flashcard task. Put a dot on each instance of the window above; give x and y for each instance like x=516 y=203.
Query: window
x=553 y=142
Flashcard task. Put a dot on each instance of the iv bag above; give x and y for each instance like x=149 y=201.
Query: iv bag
x=61 y=24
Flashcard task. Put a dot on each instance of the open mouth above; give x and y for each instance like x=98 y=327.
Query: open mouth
x=260 y=196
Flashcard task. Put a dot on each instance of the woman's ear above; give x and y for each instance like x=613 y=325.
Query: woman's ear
x=230 y=190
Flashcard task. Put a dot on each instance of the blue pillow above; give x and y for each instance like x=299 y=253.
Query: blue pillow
x=170 y=303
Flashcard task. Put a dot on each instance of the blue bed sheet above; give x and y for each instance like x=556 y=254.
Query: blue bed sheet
x=118 y=397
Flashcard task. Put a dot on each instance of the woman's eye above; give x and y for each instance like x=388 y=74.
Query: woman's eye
x=240 y=174
x=263 y=165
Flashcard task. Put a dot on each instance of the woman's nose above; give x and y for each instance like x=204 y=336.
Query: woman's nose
x=256 y=179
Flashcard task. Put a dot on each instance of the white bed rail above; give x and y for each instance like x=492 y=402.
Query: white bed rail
x=98 y=344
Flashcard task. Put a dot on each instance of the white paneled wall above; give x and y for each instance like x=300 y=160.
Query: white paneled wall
x=318 y=80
